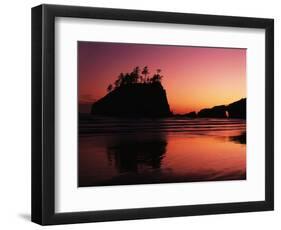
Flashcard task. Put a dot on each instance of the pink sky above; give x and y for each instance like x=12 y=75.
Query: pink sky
x=194 y=77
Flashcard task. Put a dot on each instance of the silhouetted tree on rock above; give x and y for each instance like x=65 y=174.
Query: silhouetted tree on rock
x=109 y=88
x=145 y=72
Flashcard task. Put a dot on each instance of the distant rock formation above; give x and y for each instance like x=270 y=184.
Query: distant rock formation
x=190 y=115
x=215 y=112
x=134 y=100
x=237 y=109
x=186 y=115
x=234 y=110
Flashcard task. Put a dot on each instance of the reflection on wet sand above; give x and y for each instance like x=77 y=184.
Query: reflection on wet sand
x=146 y=154
x=241 y=138
x=122 y=152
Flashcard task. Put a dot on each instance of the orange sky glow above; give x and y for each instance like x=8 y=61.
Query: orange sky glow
x=194 y=77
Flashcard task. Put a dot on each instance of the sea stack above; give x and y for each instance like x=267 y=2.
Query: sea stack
x=236 y=109
x=134 y=100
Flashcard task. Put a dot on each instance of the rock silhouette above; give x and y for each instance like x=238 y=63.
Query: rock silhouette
x=215 y=112
x=134 y=100
x=190 y=115
x=236 y=109
x=134 y=94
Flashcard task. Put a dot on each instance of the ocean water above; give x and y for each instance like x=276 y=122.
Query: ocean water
x=146 y=151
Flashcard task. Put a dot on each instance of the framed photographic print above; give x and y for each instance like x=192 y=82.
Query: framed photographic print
x=142 y=114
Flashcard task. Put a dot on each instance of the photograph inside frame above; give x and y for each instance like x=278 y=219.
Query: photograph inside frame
x=160 y=113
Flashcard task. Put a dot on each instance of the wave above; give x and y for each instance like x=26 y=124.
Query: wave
x=169 y=125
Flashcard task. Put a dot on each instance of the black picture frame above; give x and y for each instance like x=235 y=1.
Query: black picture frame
x=43 y=110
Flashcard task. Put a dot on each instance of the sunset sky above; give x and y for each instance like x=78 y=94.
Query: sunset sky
x=194 y=77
